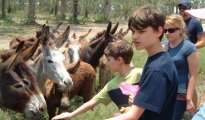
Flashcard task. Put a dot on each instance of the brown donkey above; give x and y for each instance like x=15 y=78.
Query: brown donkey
x=18 y=87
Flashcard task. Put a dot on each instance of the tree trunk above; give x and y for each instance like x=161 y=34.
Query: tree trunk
x=9 y=6
x=3 y=16
x=75 y=11
x=106 y=9
x=86 y=9
x=52 y=6
x=21 y=5
x=63 y=9
x=31 y=11
x=56 y=7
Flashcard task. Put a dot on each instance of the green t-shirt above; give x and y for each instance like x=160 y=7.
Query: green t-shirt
x=111 y=91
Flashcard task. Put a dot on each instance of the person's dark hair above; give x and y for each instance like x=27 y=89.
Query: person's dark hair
x=119 y=48
x=147 y=16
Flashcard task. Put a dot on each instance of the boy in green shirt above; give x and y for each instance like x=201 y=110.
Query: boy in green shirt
x=119 y=55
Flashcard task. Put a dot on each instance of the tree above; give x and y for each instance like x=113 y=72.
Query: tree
x=106 y=9
x=21 y=5
x=31 y=11
x=56 y=7
x=63 y=9
x=86 y=6
x=75 y=11
x=3 y=16
x=9 y=6
x=52 y=6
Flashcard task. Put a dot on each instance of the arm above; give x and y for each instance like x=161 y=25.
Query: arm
x=193 y=70
x=133 y=114
x=85 y=107
x=201 y=41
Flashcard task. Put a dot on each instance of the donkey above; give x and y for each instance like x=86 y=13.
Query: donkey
x=92 y=52
x=104 y=74
x=31 y=40
x=18 y=87
x=50 y=64
x=83 y=76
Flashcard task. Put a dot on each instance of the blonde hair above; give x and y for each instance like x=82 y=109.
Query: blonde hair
x=177 y=21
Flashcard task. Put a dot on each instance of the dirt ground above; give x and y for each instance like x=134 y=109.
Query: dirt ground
x=78 y=29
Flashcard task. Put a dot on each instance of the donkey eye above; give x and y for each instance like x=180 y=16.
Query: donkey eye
x=50 y=61
x=18 y=85
x=26 y=82
x=70 y=50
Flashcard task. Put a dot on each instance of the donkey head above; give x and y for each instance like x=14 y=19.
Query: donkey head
x=18 y=87
x=51 y=64
x=95 y=49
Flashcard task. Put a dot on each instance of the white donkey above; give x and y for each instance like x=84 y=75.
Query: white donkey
x=51 y=65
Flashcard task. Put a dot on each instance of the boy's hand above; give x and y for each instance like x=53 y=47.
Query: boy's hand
x=190 y=106
x=131 y=98
x=62 y=116
x=124 y=109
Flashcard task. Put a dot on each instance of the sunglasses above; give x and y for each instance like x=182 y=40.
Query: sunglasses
x=170 y=30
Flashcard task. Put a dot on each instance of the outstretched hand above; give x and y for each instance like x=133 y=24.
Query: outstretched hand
x=131 y=98
x=124 y=109
x=190 y=106
x=62 y=116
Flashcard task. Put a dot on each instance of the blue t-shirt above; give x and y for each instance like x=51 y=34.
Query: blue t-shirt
x=194 y=28
x=158 y=88
x=179 y=54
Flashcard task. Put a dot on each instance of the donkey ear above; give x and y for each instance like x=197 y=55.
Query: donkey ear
x=63 y=38
x=126 y=32
x=83 y=36
x=57 y=27
x=44 y=25
x=114 y=29
x=13 y=61
x=73 y=68
x=120 y=31
x=29 y=52
x=45 y=36
x=108 y=29
x=20 y=46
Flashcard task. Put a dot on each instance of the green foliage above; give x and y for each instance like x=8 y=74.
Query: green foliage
x=7 y=21
x=72 y=20
x=10 y=115
x=100 y=112
x=100 y=19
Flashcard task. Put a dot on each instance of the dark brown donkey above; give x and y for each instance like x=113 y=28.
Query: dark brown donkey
x=93 y=51
x=105 y=75
x=18 y=87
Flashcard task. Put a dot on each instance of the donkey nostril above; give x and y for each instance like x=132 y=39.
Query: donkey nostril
x=41 y=109
x=34 y=113
x=65 y=83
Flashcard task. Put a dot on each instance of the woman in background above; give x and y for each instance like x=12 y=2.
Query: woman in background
x=185 y=56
